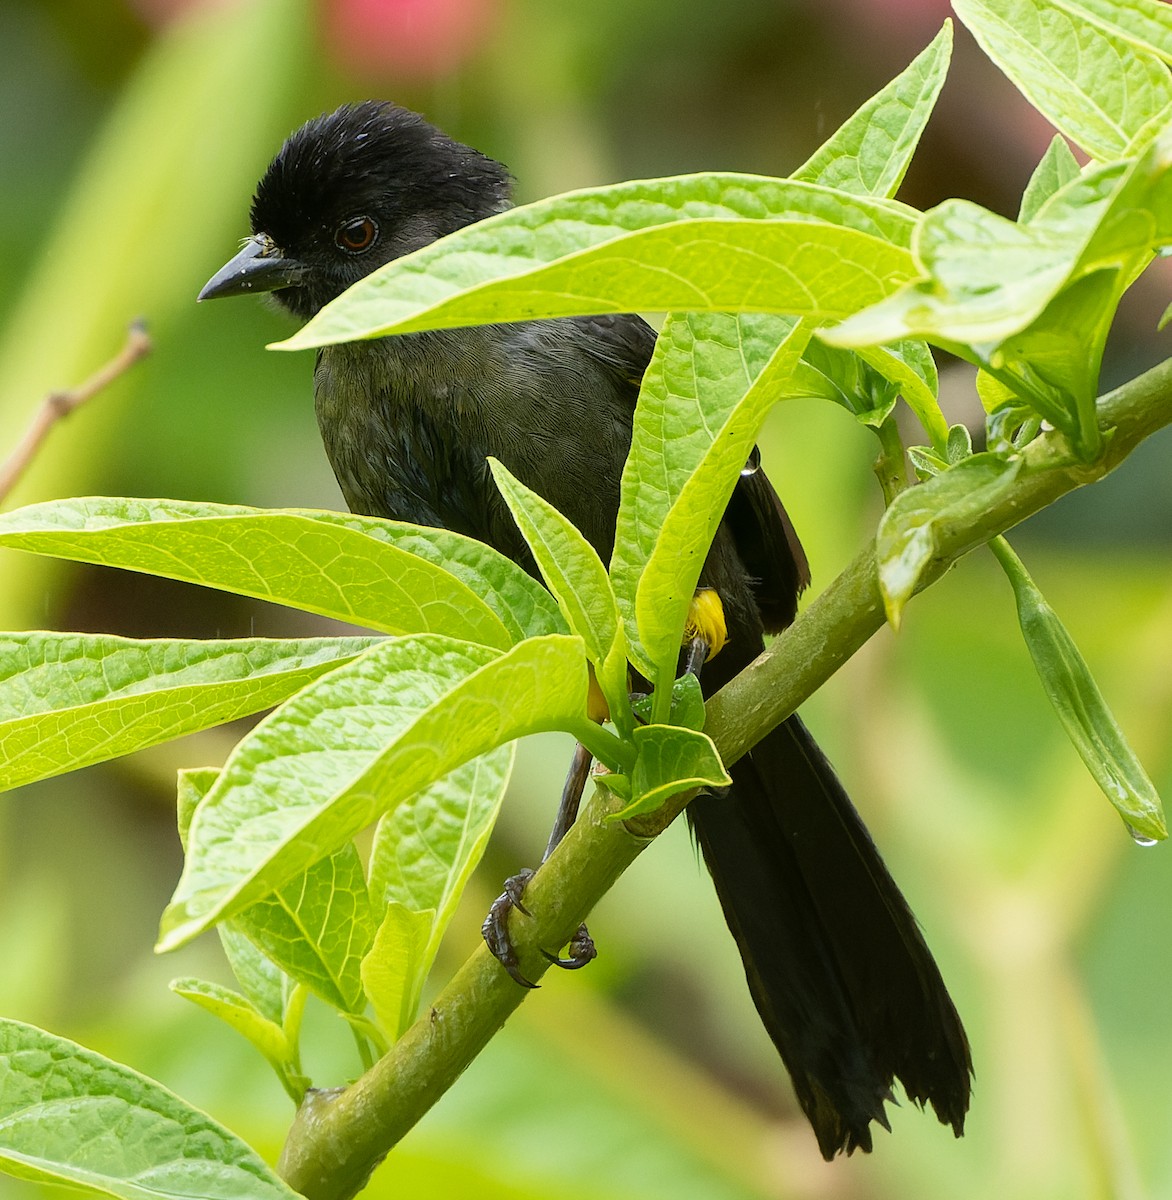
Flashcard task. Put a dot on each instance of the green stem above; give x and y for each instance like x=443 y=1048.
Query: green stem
x=291 y=1081
x=364 y=1052
x=833 y=627
x=616 y=753
x=621 y=717
x=367 y=1036
x=891 y=465
x=289 y=1073
x=294 y=1011
x=613 y=682
x=1003 y=553
x=339 y=1138
x=661 y=698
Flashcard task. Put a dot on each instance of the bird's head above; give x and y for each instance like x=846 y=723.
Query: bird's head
x=350 y=191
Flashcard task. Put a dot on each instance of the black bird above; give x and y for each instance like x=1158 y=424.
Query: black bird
x=835 y=961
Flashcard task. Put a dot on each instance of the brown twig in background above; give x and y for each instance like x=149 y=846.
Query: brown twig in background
x=57 y=405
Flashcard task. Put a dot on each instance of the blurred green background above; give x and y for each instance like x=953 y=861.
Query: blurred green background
x=131 y=135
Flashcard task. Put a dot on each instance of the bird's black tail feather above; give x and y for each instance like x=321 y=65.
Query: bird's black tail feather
x=835 y=961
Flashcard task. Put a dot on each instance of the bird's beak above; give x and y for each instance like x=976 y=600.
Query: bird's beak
x=258 y=267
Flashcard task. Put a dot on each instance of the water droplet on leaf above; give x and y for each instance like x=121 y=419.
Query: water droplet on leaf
x=1140 y=839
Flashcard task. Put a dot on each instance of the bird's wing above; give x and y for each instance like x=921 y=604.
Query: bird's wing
x=622 y=343
x=765 y=538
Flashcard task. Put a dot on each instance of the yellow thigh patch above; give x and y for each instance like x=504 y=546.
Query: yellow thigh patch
x=706 y=620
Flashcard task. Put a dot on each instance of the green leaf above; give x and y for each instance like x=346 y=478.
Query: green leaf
x=391 y=969
x=865 y=393
x=265 y=985
x=69 y=1116
x=192 y=785
x=388 y=576
x=317 y=928
x=71 y=699
x=691 y=243
x=687 y=704
x=906 y=541
x=870 y=153
x=710 y=384
x=261 y=980
x=926 y=462
x=960 y=444
x=574 y=573
x=1136 y=210
x=426 y=849
x=352 y=746
x=910 y=366
x=670 y=760
x=1057 y=168
x=236 y=1011
x=1145 y=23
x=991 y=278
x=1096 y=88
x=867 y=380
x=1089 y=723
x=992 y=392
x=1054 y=363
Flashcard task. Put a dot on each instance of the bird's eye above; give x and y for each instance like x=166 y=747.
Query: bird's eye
x=356 y=235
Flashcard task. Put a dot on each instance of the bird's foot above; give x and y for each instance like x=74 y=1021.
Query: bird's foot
x=495 y=932
x=495 y=929
x=582 y=951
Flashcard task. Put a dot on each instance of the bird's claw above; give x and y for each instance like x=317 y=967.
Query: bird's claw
x=495 y=929
x=515 y=887
x=495 y=932
x=582 y=951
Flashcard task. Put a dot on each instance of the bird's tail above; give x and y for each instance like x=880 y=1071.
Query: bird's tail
x=835 y=961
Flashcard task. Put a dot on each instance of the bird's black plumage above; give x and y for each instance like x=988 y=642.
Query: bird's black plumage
x=369 y=159
x=835 y=962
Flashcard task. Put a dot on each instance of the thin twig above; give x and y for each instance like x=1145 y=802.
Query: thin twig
x=58 y=405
